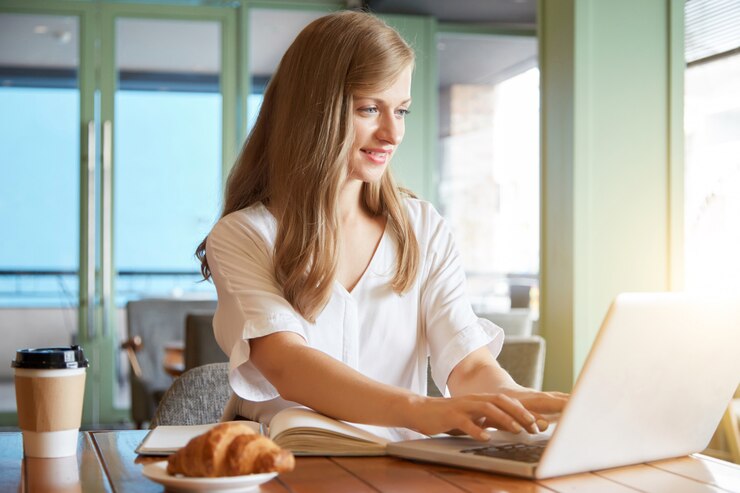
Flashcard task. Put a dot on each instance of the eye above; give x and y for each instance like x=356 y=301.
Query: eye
x=403 y=112
x=370 y=110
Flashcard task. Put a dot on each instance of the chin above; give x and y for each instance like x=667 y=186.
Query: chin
x=368 y=175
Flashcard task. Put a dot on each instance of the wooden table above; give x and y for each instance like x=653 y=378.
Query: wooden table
x=106 y=462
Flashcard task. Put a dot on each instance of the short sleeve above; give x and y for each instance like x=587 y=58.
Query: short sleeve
x=250 y=300
x=452 y=329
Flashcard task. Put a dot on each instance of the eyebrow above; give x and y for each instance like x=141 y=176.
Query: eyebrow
x=376 y=100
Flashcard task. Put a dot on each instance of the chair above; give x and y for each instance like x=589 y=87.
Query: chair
x=200 y=344
x=153 y=323
x=196 y=397
x=522 y=357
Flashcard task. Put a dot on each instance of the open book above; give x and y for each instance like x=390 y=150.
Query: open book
x=298 y=429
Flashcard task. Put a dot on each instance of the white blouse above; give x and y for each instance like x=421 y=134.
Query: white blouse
x=379 y=333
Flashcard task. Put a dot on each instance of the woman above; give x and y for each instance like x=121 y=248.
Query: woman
x=334 y=285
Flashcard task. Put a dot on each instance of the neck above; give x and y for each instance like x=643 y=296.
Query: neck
x=350 y=204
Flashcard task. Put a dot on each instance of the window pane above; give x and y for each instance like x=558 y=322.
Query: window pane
x=167 y=155
x=39 y=192
x=489 y=147
x=712 y=175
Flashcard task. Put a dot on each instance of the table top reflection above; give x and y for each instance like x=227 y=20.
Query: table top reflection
x=80 y=473
x=106 y=462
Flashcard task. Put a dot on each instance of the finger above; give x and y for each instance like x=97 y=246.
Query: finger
x=543 y=403
x=541 y=421
x=516 y=410
x=555 y=393
x=468 y=426
x=496 y=417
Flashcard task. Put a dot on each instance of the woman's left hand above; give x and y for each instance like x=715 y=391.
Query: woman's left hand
x=479 y=372
x=545 y=406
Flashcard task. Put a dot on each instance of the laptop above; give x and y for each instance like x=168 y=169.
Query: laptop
x=654 y=386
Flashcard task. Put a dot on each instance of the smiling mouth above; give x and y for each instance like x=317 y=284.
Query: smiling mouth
x=377 y=157
x=374 y=153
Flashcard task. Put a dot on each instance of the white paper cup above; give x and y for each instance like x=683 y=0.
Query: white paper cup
x=49 y=400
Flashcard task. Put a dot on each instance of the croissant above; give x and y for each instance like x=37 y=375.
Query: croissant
x=254 y=454
x=229 y=449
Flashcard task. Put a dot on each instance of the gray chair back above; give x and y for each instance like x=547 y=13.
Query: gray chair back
x=196 y=397
x=524 y=359
x=200 y=343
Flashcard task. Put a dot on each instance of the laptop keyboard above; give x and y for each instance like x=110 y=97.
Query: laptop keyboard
x=520 y=452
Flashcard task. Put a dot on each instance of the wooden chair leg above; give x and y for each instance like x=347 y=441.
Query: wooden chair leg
x=131 y=346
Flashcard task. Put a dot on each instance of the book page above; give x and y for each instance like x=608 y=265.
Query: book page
x=166 y=440
x=305 y=418
x=306 y=432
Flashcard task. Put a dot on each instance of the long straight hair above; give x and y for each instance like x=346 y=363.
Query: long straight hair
x=297 y=155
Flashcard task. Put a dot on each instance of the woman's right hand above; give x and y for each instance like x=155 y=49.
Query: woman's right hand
x=467 y=413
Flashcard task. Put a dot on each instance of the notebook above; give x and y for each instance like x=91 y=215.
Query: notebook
x=654 y=386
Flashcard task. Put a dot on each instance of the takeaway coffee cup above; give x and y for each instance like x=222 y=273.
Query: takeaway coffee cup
x=49 y=389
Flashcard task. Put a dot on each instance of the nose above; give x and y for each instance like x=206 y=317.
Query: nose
x=390 y=129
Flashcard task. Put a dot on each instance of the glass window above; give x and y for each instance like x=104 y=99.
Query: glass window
x=39 y=136
x=167 y=154
x=489 y=148
x=712 y=175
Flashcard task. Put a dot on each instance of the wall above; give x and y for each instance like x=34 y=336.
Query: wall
x=610 y=203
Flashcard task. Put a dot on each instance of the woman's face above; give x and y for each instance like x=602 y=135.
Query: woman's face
x=379 y=127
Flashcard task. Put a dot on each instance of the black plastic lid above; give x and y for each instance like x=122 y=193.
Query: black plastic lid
x=50 y=358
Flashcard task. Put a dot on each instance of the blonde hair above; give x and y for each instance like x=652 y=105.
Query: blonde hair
x=296 y=157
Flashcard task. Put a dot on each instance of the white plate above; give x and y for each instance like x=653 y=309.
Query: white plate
x=157 y=472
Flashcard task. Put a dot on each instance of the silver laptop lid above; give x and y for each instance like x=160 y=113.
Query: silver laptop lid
x=655 y=384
